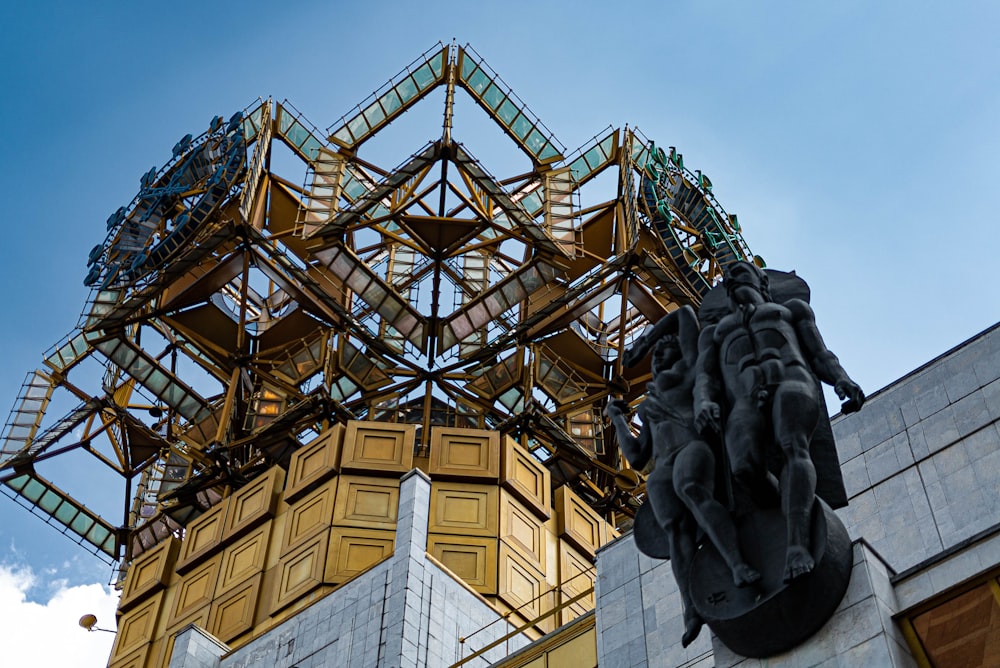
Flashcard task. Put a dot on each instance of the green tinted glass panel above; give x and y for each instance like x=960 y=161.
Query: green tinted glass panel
x=424 y=76
x=493 y=96
x=66 y=513
x=535 y=141
x=467 y=66
x=284 y=121
x=342 y=135
x=549 y=151
x=357 y=126
x=507 y=111
x=407 y=89
x=532 y=202
x=297 y=134
x=391 y=101
x=97 y=535
x=108 y=546
x=521 y=126
x=374 y=114
x=311 y=147
x=479 y=81
x=82 y=524
x=49 y=501
x=437 y=64
x=33 y=489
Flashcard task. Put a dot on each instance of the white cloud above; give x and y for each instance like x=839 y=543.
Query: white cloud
x=48 y=634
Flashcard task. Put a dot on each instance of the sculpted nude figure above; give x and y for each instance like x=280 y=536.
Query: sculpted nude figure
x=681 y=487
x=761 y=362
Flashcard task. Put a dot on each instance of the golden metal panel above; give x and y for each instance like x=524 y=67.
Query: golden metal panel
x=520 y=529
x=313 y=463
x=308 y=516
x=233 y=614
x=527 y=479
x=464 y=454
x=579 y=524
x=366 y=502
x=150 y=572
x=353 y=550
x=521 y=584
x=472 y=559
x=576 y=575
x=195 y=590
x=134 y=659
x=464 y=509
x=243 y=559
x=378 y=448
x=136 y=627
x=254 y=503
x=300 y=572
x=580 y=652
x=202 y=537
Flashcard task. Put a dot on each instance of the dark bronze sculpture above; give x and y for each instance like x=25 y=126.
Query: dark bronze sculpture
x=764 y=359
x=681 y=488
x=775 y=567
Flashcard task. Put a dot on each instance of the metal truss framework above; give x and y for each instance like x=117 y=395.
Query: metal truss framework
x=235 y=313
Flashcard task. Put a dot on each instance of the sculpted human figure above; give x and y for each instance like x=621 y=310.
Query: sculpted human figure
x=761 y=361
x=681 y=487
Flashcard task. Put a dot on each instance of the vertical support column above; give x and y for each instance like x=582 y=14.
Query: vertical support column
x=404 y=606
x=195 y=648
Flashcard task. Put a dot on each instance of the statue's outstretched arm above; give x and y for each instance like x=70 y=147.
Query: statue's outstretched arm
x=637 y=450
x=824 y=363
x=707 y=384
x=683 y=322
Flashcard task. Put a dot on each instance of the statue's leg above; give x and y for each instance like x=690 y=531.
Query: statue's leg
x=681 y=536
x=745 y=449
x=795 y=414
x=694 y=481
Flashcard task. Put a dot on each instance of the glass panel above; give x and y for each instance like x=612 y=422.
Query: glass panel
x=535 y=141
x=391 y=101
x=284 y=120
x=424 y=76
x=468 y=64
x=550 y=151
x=49 y=501
x=374 y=114
x=478 y=82
x=357 y=126
x=437 y=64
x=521 y=126
x=493 y=96
x=66 y=513
x=33 y=489
x=82 y=524
x=97 y=535
x=507 y=111
x=342 y=135
x=407 y=89
x=297 y=134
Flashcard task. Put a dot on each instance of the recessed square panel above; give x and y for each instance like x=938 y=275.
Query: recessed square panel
x=149 y=573
x=576 y=575
x=202 y=537
x=243 y=559
x=464 y=454
x=254 y=503
x=136 y=627
x=527 y=479
x=578 y=524
x=195 y=590
x=378 y=448
x=314 y=462
x=464 y=509
x=474 y=560
x=300 y=572
x=353 y=550
x=522 y=530
x=521 y=584
x=309 y=515
x=367 y=502
x=233 y=613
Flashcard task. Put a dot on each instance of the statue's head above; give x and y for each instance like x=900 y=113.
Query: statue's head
x=666 y=352
x=746 y=275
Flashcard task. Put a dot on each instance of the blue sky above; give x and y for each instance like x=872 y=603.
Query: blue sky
x=857 y=141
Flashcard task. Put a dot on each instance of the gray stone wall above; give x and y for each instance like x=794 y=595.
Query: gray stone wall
x=922 y=459
x=405 y=612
